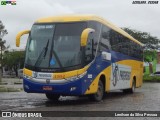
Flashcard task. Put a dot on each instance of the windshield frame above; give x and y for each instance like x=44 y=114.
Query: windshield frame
x=48 y=69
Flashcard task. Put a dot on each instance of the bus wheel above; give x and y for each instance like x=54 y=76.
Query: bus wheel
x=131 y=90
x=53 y=97
x=99 y=94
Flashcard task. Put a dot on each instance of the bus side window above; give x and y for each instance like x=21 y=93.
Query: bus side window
x=112 y=39
x=104 y=42
x=97 y=27
x=120 y=43
x=116 y=41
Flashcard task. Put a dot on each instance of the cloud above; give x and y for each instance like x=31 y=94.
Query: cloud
x=23 y=15
x=120 y=12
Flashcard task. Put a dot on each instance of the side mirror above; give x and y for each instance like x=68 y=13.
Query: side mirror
x=19 y=36
x=106 y=56
x=84 y=36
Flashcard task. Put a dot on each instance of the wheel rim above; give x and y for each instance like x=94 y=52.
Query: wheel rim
x=133 y=87
x=99 y=92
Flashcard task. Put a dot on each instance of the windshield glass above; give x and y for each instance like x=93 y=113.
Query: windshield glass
x=39 y=36
x=54 y=45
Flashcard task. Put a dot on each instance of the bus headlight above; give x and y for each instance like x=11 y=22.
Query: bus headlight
x=76 y=77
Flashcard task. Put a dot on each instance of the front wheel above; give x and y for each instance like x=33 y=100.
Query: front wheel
x=99 y=94
x=53 y=97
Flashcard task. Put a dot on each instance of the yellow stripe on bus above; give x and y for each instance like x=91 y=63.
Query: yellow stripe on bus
x=62 y=75
x=69 y=74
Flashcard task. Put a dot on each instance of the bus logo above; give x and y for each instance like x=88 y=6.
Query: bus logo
x=6 y=114
x=115 y=75
x=47 y=81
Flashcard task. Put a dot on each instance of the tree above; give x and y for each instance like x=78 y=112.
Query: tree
x=14 y=60
x=150 y=55
x=3 y=32
x=150 y=42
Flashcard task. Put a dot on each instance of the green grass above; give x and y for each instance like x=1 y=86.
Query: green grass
x=147 y=70
x=148 y=78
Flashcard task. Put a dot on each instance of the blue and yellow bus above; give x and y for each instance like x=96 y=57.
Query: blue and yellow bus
x=77 y=55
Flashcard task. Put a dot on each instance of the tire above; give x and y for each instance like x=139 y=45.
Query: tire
x=52 y=97
x=98 y=96
x=131 y=90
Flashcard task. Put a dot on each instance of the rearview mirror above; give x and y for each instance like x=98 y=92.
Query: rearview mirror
x=84 y=36
x=19 y=36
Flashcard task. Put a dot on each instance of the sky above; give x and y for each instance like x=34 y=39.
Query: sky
x=141 y=17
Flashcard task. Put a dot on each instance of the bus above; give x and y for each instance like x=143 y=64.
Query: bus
x=77 y=55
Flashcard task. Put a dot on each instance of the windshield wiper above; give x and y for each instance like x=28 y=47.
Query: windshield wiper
x=43 y=53
x=57 y=58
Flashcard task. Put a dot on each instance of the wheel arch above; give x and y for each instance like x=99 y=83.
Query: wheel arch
x=133 y=78
x=94 y=85
x=103 y=79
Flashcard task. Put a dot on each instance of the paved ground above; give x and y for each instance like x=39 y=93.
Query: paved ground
x=11 y=81
x=146 y=98
x=11 y=85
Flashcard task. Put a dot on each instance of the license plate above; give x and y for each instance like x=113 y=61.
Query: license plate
x=47 y=88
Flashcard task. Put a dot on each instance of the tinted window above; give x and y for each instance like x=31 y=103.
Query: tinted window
x=97 y=27
x=124 y=45
x=67 y=44
x=105 y=42
x=55 y=45
x=118 y=42
x=136 y=50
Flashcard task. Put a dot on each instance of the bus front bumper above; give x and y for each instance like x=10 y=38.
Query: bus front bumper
x=77 y=87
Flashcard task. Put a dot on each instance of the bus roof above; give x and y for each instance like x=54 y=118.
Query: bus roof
x=74 y=18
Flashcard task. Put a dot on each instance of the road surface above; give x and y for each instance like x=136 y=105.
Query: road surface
x=146 y=98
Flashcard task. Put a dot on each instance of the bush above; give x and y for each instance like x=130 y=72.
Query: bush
x=151 y=78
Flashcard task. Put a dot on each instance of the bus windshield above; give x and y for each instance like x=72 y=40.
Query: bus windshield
x=54 y=45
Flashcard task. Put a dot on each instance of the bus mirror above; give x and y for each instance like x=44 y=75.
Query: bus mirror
x=19 y=36
x=85 y=34
x=106 y=56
